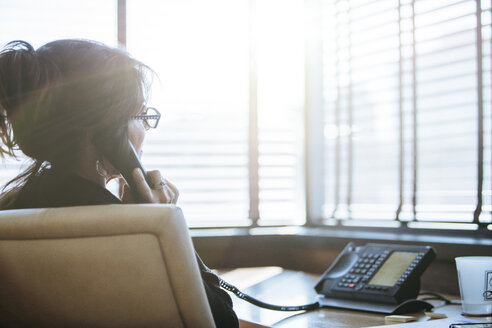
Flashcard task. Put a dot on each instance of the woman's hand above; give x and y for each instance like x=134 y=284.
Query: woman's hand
x=160 y=190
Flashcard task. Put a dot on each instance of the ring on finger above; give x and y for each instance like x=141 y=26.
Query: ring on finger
x=158 y=186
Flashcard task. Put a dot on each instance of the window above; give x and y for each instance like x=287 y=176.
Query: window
x=346 y=112
x=230 y=87
x=39 y=22
x=408 y=112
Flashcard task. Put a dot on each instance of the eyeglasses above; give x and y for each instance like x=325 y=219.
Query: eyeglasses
x=150 y=117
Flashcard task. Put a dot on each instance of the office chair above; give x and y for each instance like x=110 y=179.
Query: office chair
x=99 y=266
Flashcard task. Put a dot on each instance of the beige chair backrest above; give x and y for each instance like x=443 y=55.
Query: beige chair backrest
x=99 y=266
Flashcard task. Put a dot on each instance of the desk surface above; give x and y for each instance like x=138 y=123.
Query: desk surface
x=285 y=287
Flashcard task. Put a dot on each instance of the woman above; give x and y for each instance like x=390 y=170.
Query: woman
x=65 y=105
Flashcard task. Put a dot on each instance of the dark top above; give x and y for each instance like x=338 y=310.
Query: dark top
x=57 y=190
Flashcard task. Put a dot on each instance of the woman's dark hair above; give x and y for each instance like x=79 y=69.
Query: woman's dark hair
x=57 y=97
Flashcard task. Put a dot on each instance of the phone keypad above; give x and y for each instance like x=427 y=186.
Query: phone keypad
x=366 y=266
x=362 y=270
x=349 y=281
x=368 y=263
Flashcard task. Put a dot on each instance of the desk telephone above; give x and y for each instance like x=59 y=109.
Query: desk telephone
x=382 y=278
x=375 y=277
x=376 y=272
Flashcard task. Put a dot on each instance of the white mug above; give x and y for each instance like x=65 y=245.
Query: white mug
x=475 y=280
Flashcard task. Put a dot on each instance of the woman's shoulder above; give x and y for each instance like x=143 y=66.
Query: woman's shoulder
x=52 y=190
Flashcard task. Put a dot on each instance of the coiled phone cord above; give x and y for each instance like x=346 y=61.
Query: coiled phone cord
x=233 y=289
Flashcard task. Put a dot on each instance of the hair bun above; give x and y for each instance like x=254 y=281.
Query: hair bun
x=23 y=78
x=19 y=74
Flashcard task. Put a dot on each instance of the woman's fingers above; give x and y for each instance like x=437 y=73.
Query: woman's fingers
x=165 y=191
x=158 y=187
x=143 y=188
x=175 y=191
x=158 y=190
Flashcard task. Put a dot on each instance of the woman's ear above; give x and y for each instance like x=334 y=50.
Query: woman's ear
x=103 y=165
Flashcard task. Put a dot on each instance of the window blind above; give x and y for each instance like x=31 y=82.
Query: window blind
x=280 y=59
x=407 y=128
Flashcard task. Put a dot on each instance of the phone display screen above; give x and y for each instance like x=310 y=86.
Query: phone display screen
x=393 y=268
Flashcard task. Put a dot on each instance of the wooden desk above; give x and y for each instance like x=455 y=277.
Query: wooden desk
x=284 y=287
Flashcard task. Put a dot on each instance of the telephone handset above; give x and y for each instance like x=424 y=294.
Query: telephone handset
x=122 y=155
x=128 y=164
